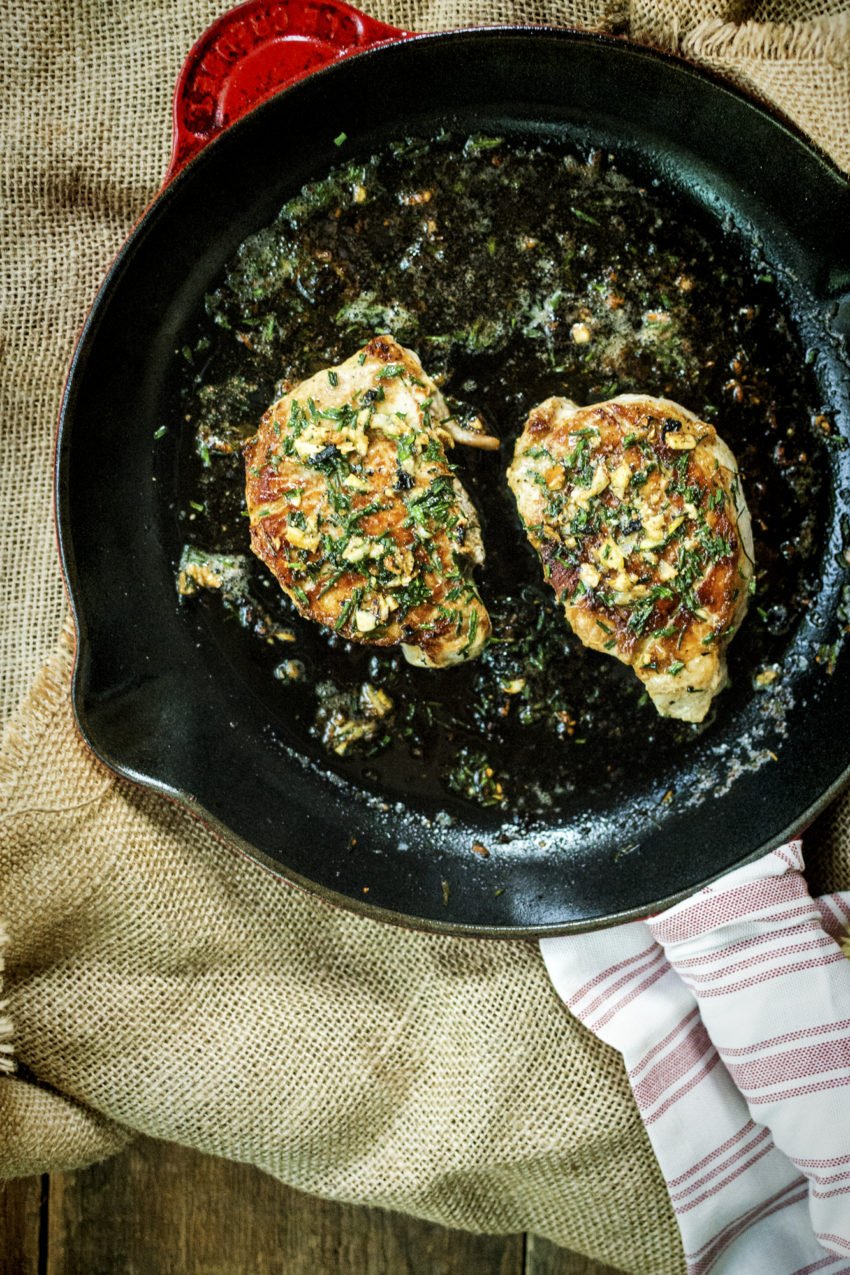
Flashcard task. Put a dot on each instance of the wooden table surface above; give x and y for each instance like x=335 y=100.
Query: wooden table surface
x=158 y=1209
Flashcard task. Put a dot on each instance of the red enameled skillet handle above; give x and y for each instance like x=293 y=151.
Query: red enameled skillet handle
x=255 y=50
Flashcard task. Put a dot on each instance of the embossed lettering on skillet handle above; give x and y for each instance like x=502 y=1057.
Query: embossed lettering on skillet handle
x=254 y=51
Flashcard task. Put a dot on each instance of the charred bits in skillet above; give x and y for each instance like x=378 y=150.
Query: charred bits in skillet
x=515 y=272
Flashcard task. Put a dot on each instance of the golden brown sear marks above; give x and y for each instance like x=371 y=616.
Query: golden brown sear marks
x=636 y=510
x=354 y=508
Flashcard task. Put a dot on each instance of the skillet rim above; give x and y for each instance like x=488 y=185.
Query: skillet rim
x=71 y=576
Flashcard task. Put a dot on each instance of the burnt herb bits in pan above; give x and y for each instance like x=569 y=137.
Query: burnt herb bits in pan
x=516 y=272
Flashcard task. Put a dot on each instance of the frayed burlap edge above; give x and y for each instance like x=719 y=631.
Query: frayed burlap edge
x=800 y=68
x=819 y=40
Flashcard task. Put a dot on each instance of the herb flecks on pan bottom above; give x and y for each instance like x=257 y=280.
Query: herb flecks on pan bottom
x=515 y=273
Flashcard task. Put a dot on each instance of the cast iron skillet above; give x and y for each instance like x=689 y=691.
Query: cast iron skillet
x=165 y=701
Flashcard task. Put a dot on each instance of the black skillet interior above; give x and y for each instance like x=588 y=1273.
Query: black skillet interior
x=166 y=700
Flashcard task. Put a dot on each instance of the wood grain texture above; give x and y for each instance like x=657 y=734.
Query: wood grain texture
x=159 y=1207
x=544 y=1258
x=20 y=1219
x=162 y=1208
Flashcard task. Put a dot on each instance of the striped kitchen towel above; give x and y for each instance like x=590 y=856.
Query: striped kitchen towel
x=732 y=1013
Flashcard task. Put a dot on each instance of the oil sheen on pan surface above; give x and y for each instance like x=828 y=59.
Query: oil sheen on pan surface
x=517 y=267
x=599 y=288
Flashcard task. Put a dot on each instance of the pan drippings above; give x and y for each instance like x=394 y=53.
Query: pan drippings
x=515 y=273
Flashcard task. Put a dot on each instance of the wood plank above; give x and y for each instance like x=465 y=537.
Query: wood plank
x=341 y=1240
x=545 y=1258
x=21 y=1203
x=158 y=1207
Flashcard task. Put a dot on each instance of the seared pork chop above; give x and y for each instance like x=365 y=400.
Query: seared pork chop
x=354 y=507
x=636 y=510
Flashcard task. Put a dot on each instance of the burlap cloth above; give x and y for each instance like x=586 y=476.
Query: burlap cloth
x=158 y=982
